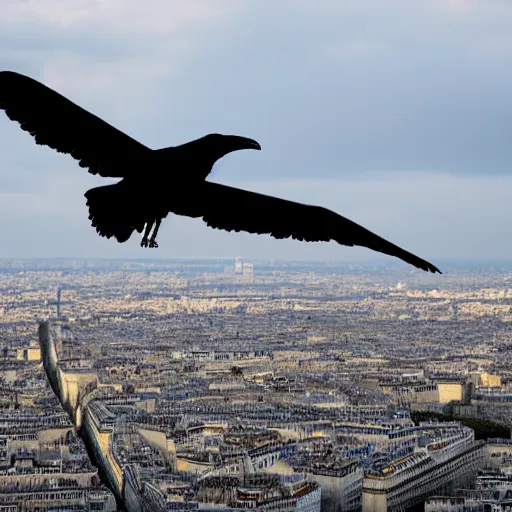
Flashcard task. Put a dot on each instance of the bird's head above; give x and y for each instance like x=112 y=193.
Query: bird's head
x=215 y=146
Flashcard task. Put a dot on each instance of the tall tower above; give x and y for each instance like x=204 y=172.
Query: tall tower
x=58 y=302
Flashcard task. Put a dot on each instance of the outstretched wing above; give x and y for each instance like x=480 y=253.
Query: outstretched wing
x=232 y=209
x=55 y=121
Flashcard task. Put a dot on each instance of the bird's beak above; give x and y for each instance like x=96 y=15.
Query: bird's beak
x=242 y=143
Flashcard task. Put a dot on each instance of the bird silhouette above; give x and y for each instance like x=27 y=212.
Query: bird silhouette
x=169 y=180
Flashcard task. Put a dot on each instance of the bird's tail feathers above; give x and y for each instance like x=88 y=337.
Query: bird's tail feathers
x=111 y=213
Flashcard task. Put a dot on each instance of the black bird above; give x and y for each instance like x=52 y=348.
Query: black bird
x=156 y=182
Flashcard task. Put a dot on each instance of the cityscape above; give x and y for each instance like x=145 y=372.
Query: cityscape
x=195 y=384
x=256 y=256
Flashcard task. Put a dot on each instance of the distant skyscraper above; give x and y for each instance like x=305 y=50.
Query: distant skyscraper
x=58 y=302
x=239 y=265
x=248 y=269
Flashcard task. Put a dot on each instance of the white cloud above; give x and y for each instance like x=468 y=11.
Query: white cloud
x=72 y=42
x=151 y=16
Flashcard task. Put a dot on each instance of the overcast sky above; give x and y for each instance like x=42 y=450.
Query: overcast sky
x=396 y=114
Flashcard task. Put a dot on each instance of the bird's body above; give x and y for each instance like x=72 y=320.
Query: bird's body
x=156 y=182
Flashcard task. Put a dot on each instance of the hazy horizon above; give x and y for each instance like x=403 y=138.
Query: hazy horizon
x=384 y=262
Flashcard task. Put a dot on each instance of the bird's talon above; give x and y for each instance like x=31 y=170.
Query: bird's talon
x=153 y=244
